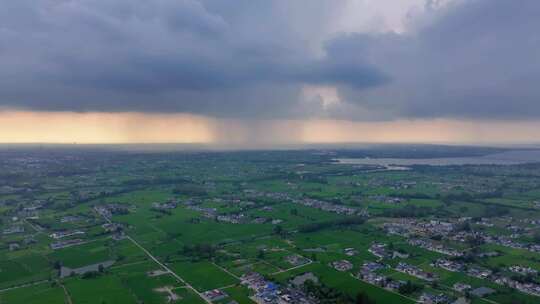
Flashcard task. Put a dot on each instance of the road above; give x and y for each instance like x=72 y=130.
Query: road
x=293 y=268
x=24 y=285
x=66 y=294
x=225 y=270
x=162 y=265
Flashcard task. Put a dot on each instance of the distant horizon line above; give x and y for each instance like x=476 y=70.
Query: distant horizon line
x=266 y=145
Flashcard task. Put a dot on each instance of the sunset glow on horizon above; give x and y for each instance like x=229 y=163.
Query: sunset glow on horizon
x=131 y=127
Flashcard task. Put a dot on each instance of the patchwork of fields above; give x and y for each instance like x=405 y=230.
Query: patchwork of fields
x=192 y=227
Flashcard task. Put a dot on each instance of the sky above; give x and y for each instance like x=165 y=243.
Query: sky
x=263 y=72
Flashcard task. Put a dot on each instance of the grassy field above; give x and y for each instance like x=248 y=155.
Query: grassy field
x=37 y=294
x=271 y=185
x=27 y=268
x=203 y=275
x=85 y=254
x=103 y=289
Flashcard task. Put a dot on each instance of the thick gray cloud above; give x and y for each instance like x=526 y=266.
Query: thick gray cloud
x=210 y=57
x=252 y=58
x=465 y=59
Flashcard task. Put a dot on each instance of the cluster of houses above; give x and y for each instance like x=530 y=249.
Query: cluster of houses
x=9 y=189
x=329 y=207
x=342 y=265
x=484 y=222
x=36 y=205
x=207 y=212
x=416 y=272
x=215 y=295
x=378 y=250
x=111 y=227
x=368 y=273
x=71 y=219
x=523 y=270
x=277 y=196
x=396 y=229
x=481 y=273
x=31 y=211
x=399 y=185
x=350 y=251
x=525 y=287
x=392 y=184
x=461 y=287
x=429 y=298
x=502 y=240
x=212 y=213
x=508 y=242
x=446 y=230
x=233 y=218
x=66 y=243
x=109 y=210
x=478 y=272
x=386 y=199
x=407 y=226
x=115 y=229
x=432 y=246
x=66 y=233
x=296 y=260
x=266 y=292
x=455 y=266
x=13 y=230
x=263 y=220
x=308 y=202
x=449 y=265
x=165 y=206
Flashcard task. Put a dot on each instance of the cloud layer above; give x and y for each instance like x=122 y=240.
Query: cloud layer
x=255 y=59
x=467 y=59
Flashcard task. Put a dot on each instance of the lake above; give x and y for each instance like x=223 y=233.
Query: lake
x=504 y=158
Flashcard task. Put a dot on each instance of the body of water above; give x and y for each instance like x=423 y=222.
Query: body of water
x=505 y=158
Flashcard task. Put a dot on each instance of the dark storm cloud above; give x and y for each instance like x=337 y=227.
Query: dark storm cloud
x=468 y=59
x=251 y=58
x=161 y=55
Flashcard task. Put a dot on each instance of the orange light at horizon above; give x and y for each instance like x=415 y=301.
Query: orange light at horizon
x=70 y=127
x=131 y=127
x=422 y=131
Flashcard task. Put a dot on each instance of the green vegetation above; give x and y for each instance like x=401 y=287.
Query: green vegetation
x=118 y=227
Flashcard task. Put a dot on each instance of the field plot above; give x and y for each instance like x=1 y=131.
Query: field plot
x=187 y=296
x=267 y=225
x=259 y=266
x=102 y=289
x=238 y=294
x=24 y=269
x=36 y=294
x=203 y=275
x=85 y=254
x=145 y=280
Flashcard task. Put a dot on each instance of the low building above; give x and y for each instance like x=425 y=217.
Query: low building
x=66 y=271
x=342 y=265
x=461 y=287
x=482 y=291
x=215 y=295
x=301 y=279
